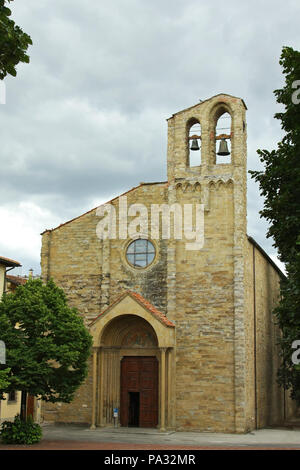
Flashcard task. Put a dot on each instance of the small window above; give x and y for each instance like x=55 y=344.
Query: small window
x=12 y=396
x=140 y=253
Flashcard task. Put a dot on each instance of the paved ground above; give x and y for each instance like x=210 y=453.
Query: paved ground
x=80 y=438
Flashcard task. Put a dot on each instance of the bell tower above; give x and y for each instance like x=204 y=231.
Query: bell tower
x=205 y=118
x=206 y=288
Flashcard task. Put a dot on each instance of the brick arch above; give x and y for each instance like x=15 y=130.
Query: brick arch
x=218 y=109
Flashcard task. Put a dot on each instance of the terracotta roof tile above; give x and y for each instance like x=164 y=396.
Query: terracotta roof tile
x=16 y=279
x=152 y=309
x=159 y=315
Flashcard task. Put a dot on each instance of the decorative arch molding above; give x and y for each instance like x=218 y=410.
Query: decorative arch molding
x=221 y=187
x=191 y=187
x=216 y=183
x=131 y=303
x=191 y=121
x=218 y=109
x=129 y=331
x=220 y=184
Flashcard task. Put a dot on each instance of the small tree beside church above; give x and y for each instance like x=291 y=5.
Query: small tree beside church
x=47 y=343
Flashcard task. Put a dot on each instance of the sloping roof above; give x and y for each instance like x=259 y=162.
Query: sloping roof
x=108 y=202
x=262 y=251
x=17 y=280
x=208 y=99
x=9 y=262
x=142 y=301
x=151 y=308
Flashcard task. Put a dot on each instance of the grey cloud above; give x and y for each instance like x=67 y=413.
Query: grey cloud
x=86 y=119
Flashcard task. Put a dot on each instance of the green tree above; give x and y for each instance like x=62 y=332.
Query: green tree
x=4 y=380
x=280 y=186
x=47 y=343
x=13 y=43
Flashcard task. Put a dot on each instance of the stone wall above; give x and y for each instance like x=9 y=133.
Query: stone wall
x=93 y=273
x=265 y=397
x=79 y=411
x=204 y=321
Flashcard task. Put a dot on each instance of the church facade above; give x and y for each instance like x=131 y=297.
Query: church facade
x=183 y=331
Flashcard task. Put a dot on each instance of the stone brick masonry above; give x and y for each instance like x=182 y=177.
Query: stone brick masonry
x=222 y=377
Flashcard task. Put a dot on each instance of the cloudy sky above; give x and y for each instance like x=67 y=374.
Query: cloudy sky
x=86 y=119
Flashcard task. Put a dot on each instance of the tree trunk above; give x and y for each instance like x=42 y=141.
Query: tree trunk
x=23 y=405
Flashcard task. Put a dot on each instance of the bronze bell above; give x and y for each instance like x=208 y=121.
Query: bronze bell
x=223 y=148
x=195 y=145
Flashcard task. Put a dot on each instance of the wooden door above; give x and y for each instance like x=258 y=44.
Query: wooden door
x=30 y=406
x=139 y=375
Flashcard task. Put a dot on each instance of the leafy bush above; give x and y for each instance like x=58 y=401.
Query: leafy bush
x=20 y=432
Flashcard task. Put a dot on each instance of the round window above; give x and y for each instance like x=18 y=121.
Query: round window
x=140 y=253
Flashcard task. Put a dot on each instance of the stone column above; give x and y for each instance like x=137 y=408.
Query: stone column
x=101 y=386
x=162 y=388
x=95 y=354
x=169 y=388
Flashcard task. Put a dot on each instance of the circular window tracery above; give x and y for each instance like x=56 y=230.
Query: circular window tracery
x=140 y=253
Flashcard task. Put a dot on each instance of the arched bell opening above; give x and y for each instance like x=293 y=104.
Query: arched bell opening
x=193 y=142
x=223 y=138
x=221 y=132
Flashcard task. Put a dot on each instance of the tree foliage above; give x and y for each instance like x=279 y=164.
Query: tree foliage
x=13 y=43
x=4 y=380
x=280 y=186
x=20 y=431
x=47 y=343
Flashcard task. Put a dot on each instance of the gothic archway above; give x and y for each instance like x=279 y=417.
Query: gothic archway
x=130 y=372
x=133 y=364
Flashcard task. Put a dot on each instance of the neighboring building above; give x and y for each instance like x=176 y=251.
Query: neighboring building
x=11 y=406
x=12 y=403
x=183 y=339
x=12 y=282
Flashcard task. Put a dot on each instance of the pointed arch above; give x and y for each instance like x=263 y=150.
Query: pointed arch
x=193 y=129
x=221 y=125
x=179 y=188
x=197 y=187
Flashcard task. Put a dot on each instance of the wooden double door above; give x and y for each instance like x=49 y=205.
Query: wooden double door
x=139 y=391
